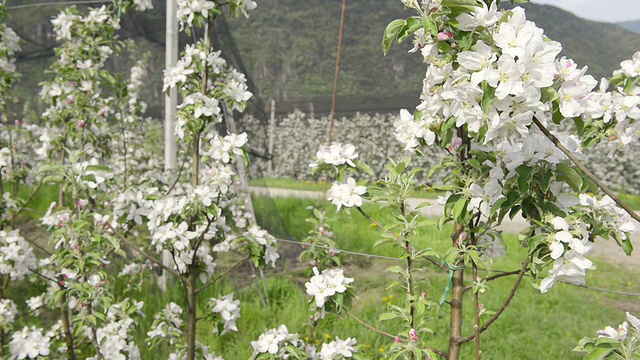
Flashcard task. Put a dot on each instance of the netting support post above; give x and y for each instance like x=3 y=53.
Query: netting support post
x=272 y=140
x=244 y=184
x=170 y=106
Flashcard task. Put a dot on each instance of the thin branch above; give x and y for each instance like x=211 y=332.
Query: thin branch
x=221 y=275
x=497 y=276
x=376 y=223
x=147 y=256
x=33 y=242
x=436 y=263
x=30 y=198
x=44 y=276
x=586 y=171
x=495 y=316
x=369 y=326
x=376 y=330
x=437 y=352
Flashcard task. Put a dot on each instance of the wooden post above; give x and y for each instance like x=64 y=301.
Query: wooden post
x=272 y=130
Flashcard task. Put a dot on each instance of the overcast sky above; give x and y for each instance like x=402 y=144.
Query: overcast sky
x=599 y=10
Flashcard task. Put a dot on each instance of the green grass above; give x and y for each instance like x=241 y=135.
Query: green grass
x=318 y=185
x=311 y=185
x=534 y=326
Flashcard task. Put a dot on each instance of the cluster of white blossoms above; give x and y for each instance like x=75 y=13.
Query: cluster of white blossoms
x=568 y=246
x=338 y=349
x=229 y=311
x=9 y=45
x=623 y=331
x=189 y=9
x=279 y=342
x=276 y=341
x=336 y=154
x=610 y=215
x=167 y=323
x=114 y=338
x=507 y=79
x=324 y=285
x=262 y=237
x=91 y=175
x=142 y=5
x=16 y=255
x=348 y=194
x=8 y=312
x=228 y=86
x=29 y=343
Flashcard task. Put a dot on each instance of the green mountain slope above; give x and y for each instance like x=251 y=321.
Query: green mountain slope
x=288 y=49
x=631 y=25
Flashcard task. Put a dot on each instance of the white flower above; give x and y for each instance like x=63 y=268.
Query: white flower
x=631 y=67
x=336 y=154
x=273 y=342
x=483 y=198
x=229 y=310
x=347 y=195
x=29 y=343
x=615 y=334
x=338 y=349
x=634 y=321
x=142 y=5
x=8 y=311
x=327 y=284
x=35 y=303
x=187 y=9
x=175 y=75
x=245 y=6
x=482 y=16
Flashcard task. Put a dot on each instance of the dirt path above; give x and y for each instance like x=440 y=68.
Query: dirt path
x=605 y=249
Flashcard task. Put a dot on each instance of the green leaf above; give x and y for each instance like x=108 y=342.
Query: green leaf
x=430 y=27
x=599 y=353
x=571 y=176
x=524 y=175
x=390 y=33
x=360 y=165
x=459 y=209
x=625 y=245
x=411 y=27
x=387 y=316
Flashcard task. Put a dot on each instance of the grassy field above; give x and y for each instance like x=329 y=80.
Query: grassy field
x=535 y=326
x=313 y=185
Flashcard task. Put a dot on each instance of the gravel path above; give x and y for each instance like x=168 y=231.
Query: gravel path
x=605 y=249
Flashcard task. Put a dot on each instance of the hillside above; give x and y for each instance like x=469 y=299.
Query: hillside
x=631 y=25
x=288 y=49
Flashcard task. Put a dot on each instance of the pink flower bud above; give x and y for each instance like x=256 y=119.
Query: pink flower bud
x=413 y=335
x=396 y=340
x=442 y=36
x=456 y=142
x=80 y=124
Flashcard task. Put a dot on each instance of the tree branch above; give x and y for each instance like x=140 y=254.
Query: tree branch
x=586 y=171
x=497 y=276
x=369 y=326
x=147 y=256
x=495 y=316
x=222 y=275
x=30 y=198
